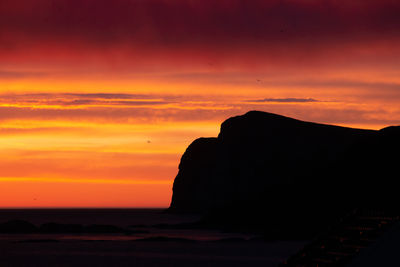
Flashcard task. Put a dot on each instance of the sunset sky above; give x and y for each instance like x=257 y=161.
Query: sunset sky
x=99 y=99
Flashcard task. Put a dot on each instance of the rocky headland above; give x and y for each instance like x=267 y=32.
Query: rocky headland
x=291 y=177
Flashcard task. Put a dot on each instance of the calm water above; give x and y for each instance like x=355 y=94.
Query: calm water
x=122 y=250
x=145 y=220
x=118 y=217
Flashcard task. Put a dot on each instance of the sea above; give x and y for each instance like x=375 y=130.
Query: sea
x=149 y=241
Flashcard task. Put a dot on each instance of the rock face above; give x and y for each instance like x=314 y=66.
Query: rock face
x=262 y=162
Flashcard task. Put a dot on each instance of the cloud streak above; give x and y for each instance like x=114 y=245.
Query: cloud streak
x=284 y=100
x=197 y=22
x=129 y=84
x=159 y=108
x=152 y=35
x=67 y=100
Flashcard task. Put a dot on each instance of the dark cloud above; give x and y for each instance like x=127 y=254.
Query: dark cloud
x=196 y=23
x=110 y=96
x=335 y=113
x=284 y=100
x=95 y=99
x=132 y=38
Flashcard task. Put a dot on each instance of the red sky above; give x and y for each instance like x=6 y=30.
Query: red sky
x=99 y=99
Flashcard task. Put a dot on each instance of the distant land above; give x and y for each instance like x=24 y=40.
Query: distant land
x=271 y=173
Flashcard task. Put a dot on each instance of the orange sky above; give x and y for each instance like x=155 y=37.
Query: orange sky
x=99 y=99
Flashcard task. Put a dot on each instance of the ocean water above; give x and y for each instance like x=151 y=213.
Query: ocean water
x=144 y=223
x=162 y=247
x=114 y=216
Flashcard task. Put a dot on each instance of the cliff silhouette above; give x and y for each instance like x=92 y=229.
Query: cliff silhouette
x=266 y=171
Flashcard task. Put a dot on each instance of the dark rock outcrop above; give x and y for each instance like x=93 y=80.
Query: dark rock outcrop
x=267 y=169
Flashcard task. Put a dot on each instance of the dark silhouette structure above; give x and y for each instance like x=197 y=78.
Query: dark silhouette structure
x=286 y=177
x=343 y=241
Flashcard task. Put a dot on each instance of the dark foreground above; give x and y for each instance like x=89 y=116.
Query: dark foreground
x=146 y=240
x=152 y=253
